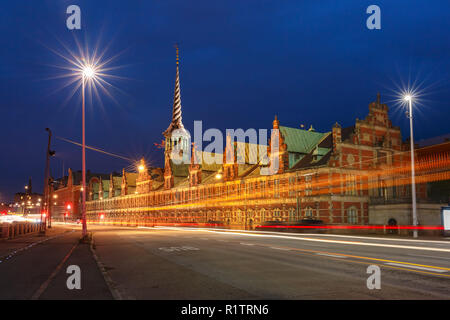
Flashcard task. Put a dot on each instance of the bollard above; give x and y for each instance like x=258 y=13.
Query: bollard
x=5 y=230
x=11 y=231
x=21 y=231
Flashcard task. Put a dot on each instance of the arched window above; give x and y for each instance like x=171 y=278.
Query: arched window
x=308 y=212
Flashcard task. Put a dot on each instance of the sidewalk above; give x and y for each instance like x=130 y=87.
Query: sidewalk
x=93 y=285
x=35 y=267
x=8 y=246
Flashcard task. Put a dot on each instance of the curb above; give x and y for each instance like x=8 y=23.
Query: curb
x=109 y=282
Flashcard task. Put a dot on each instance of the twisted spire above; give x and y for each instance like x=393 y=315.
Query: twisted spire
x=176 y=110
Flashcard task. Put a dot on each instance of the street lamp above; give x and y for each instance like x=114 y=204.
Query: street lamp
x=88 y=73
x=408 y=99
x=87 y=70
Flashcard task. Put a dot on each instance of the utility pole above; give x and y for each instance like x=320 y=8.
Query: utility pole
x=46 y=208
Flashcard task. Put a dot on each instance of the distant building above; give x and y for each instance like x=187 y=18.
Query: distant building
x=65 y=194
x=27 y=202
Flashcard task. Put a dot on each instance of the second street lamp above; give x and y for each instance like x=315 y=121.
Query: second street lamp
x=88 y=73
x=408 y=99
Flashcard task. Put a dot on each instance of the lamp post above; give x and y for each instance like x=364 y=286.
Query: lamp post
x=46 y=183
x=87 y=73
x=89 y=69
x=408 y=99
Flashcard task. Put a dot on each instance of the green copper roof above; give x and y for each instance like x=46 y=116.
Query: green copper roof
x=299 y=140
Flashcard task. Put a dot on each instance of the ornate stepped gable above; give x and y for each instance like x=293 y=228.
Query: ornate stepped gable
x=230 y=165
x=283 y=157
x=124 y=186
x=144 y=179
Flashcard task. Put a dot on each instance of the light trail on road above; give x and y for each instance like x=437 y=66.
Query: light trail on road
x=301 y=238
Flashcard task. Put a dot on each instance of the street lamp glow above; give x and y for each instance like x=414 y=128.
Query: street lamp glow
x=88 y=72
x=407 y=97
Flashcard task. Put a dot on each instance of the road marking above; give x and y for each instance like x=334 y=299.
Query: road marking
x=435 y=257
x=247 y=244
x=278 y=248
x=44 y=286
x=184 y=248
x=331 y=255
x=369 y=258
x=415 y=267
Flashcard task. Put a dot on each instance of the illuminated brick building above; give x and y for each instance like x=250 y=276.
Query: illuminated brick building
x=65 y=193
x=330 y=176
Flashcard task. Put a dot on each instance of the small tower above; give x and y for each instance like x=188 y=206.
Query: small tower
x=177 y=139
x=177 y=142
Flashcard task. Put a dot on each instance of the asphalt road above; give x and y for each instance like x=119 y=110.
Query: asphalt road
x=171 y=263
x=174 y=263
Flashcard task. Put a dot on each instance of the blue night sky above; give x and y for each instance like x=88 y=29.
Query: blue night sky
x=242 y=62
